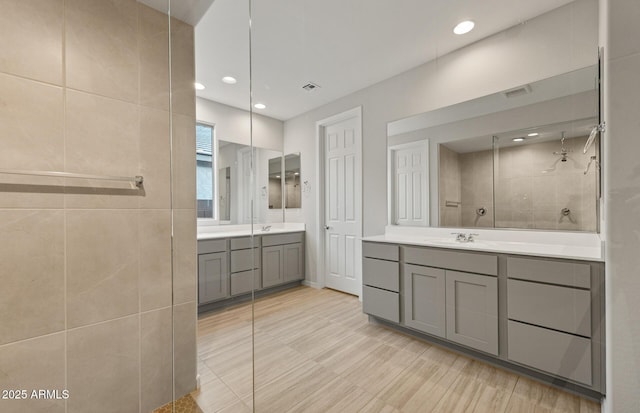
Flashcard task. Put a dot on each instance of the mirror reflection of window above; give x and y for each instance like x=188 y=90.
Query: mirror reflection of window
x=204 y=170
x=275 y=183
x=293 y=190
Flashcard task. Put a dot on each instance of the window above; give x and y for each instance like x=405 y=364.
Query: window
x=204 y=170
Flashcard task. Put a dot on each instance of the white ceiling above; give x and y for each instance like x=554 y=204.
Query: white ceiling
x=190 y=11
x=341 y=45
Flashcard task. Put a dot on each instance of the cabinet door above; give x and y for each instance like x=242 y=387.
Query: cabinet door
x=213 y=277
x=272 y=266
x=472 y=310
x=293 y=262
x=424 y=299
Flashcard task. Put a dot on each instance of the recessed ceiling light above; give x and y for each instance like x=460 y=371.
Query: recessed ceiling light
x=230 y=80
x=277 y=176
x=464 y=27
x=533 y=134
x=199 y=86
x=518 y=139
x=296 y=173
x=259 y=106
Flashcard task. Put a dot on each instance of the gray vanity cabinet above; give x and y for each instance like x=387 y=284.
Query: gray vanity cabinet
x=541 y=315
x=424 y=299
x=212 y=277
x=472 y=310
x=381 y=279
x=282 y=259
x=231 y=268
x=554 y=312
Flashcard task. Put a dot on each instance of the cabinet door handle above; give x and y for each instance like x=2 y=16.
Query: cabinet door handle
x=327 y=227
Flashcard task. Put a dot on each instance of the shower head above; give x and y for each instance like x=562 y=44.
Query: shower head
x=563 y=151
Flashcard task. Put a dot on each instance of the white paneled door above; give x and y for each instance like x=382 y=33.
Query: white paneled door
x=410 y=183
x=343 y=204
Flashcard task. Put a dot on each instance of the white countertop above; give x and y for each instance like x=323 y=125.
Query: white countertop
x=568 y=245
x=230 y=231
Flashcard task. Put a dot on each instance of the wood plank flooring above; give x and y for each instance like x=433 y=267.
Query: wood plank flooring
x=316 y=352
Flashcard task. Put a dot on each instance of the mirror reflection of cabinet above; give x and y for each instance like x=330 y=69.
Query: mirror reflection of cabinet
x=293 y=190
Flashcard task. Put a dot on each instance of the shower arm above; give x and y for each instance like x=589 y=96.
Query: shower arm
x=598 y=128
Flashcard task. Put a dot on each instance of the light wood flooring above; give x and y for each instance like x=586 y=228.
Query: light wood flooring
x=316 y=352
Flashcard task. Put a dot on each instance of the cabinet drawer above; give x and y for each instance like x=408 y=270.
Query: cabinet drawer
x=241 y=282
x=381 y=303
x=244 y=243
x=553 y=272
x=207 y=246
x=381 y=251
x=452 y=260
x=241 y=260
x=561 y=308
x=381 y=274
x=556 y=353
x=281 y=239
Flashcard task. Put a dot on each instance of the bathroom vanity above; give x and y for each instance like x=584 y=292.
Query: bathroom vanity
x=527 y=306
x=232 y=264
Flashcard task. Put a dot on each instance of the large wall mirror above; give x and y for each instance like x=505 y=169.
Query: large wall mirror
x=236 y=192
x=275 y=183
x=526 y=158
x=225 y=188
x=293 y=190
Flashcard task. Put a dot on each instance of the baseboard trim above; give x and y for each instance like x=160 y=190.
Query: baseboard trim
x=312 y=284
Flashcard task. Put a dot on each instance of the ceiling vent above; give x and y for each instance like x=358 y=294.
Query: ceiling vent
x=513 y=93
x=310 y=87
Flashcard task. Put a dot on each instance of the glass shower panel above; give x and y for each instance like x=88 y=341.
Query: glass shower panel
x=294 y=330
x=228 y=265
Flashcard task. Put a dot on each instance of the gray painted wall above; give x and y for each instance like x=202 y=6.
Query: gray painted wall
x=622 y=204
x=234 y=125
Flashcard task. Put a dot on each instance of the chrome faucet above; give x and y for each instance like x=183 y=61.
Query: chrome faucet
x=460 y=236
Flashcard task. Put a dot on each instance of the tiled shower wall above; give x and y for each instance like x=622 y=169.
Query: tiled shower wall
x=476 y=174
x=449 y=188
x=531 y=186
x=86 y=297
